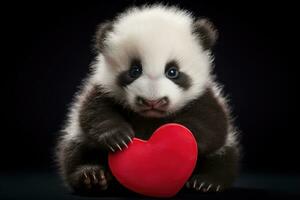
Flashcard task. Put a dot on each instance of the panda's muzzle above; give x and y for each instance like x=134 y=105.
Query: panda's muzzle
x=156 y=104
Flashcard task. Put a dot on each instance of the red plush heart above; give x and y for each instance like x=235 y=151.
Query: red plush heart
x=160 y=166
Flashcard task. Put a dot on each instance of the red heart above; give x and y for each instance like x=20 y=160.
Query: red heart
x=160 y=166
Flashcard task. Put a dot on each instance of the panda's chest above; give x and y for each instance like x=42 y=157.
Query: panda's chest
x=145 y=127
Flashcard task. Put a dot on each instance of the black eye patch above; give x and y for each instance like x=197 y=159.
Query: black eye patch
x=127 y=77
x=181 y=79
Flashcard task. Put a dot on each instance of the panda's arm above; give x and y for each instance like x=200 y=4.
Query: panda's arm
x=101 y=121
x=207 y=120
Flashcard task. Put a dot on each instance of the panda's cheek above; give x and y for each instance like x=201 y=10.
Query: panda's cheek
x=132 y=91
x=130 y=95
x=129 y=98
x=175 y=102
x=172 y=91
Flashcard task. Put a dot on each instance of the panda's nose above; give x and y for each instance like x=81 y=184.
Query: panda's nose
x=157 y=103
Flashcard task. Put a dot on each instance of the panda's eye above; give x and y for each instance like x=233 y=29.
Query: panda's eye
x=135 y=71
x=172 y=73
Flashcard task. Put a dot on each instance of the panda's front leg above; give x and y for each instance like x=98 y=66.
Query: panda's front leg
x=83 y=157
x=102 y=122
x=215 y=172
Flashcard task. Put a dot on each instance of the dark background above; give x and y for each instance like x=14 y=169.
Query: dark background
x=49 y=52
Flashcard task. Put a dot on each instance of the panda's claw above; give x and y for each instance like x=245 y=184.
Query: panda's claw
x=112 y=149
x=92 y=178
x=102 y=176
x=195 y=182
x=129 y=138
x=125 y=144
x=201 y=185
x=119 y=146
x=207 y=189
x=85 y=176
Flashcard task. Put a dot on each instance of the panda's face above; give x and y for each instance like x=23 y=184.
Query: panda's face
x=154 y=93
x=154 y=66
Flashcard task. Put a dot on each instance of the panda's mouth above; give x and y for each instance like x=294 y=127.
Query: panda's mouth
x=153 y=112
x=152 y=108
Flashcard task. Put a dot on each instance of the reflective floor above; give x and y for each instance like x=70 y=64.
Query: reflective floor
x=45 y=185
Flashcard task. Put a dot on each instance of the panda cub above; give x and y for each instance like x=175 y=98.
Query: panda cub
x=153 y=66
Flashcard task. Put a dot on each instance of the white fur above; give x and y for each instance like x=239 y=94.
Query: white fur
x=72 y=128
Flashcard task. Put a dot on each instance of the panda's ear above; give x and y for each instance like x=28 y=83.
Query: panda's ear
x=206 y=32
x=103 y=30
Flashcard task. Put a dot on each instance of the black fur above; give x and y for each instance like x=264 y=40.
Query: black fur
x=101 y=33
x=183 y=80
x=106 y=124
x=124 y=78
x=102 y=122
x=216 y=170
x=206 y=32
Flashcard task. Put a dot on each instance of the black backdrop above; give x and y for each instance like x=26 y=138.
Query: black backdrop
x=50 y=52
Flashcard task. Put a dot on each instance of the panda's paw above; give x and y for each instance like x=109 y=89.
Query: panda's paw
x=202 y=184
x=92 y=178
x=117 y=137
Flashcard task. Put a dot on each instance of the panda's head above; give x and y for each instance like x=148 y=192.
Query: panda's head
x=154 y=60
